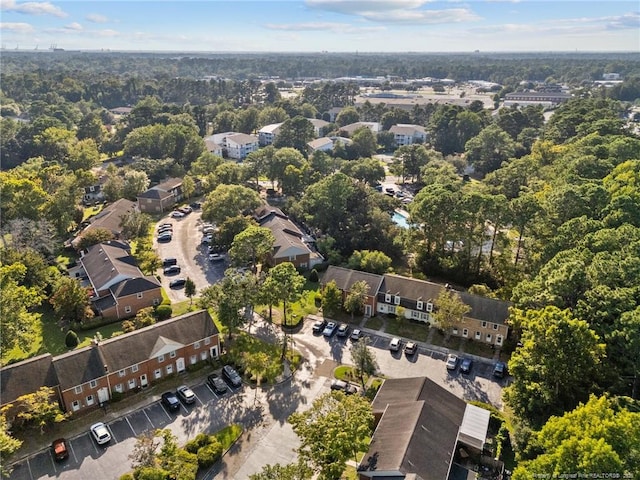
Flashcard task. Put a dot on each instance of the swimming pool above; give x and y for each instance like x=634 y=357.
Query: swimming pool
x=400 y=218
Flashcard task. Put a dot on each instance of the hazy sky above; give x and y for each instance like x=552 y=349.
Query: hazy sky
x=318 y=25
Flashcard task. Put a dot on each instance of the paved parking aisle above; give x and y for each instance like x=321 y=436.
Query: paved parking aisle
x=158 y=415
x=139 y=422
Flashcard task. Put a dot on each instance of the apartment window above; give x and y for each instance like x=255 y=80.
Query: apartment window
x=161 y=359
x=93 y=384
x=207 y=341
x=156 y=301
x=75 y=405
x=121 y=373
x=196 y=345
x=484 y=324
x=172 y=354
x=169 y=369
x=488 y=337
x=78 y=389
x=420 y=305
x=499 y=340
x=139 y=295
x=89 y=400
x=127 y=309
x=396 y=300
x=194 y=359
x=478 y=335
x=387 y=298
x=157 y=374
x=132 y=383
x=203 y=355
x=392 y=309
x=465 y=332
x=455 y=331
x=495 y=326
x=118 y=388
x=429 y=307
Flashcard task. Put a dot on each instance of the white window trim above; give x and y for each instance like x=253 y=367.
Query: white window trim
x=465 y=332
x=78 y=389
x=495 y=326
x=121 y=373
x=169 y=369
x=90 y=400
x=160 y=358
x=429 y=307
x=488 y=337
x=134 y=368
x=207 y=341
x=139 y=295
x=75 y=405
x=396 y=300
x=127 y=309
x=93 y=384
x=196 y=345
x=387 y=298
x=193 y=359
x=420 y=305
x=157 y=373
x=172 y=354
x=478 y=336
x=118 y=388
x=484 y=324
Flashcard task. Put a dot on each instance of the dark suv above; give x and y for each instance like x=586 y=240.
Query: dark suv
x=170 y=400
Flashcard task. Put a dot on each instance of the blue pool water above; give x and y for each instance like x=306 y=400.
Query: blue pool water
x=400 y=220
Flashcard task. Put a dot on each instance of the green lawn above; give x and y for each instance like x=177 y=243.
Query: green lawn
x=374 y=323
x=406 y=328
x=91 y=211
x=228 y=435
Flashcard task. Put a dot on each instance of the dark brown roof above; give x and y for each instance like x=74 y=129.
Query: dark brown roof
x=26 y=377
x=418 y=431
x=345 y=278
x=162 y=190
x=135 y=285
x=79 y=366
x=137 y=346
x=107 y=264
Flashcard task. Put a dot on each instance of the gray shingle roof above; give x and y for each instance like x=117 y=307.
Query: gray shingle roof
x=286 y=233
x=135 y=285
x=79 y=366
x=345 y=278
x=26 y=377
x=137 y=346
x=108 y=263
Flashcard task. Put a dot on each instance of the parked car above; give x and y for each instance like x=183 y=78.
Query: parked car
x=356 y=335
x=186 y=394
x=167 y=262
x=465 y=365
x=216 y=383
x=230 y=374
x=209 y=230
x=330 y=329
x=177 y=283
x=394 y=344
x=165 y=225
x=207 y=239
x=343 y=330
x=215 y=257
x=170 y=401
x=207 y=225
x=390 y=190
x=410 y=348
x=177 y=214
x=318 y=327
x=165 y=237
x=60 y=449
x=500 y=370
x=186 y=210
x=165 y=229
x=343 y=386
x=452 y=362
x=172 y=270
x=196 y=205
x=100 y=433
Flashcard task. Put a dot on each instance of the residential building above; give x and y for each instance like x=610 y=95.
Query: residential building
x=352 y=127
x=85 y=378
x=415 y=299
x=239 y=145
x=345 y=278
x=161 y=197
x=109 y=218
x=291 y=244
x=118 y=289
x=333 y=113
x=318 y=125
x=407 y=134
x=267 y=134
x=322 y=144
x=94 y=193
x=423 y=431
x=213 y=147
x=547 y=99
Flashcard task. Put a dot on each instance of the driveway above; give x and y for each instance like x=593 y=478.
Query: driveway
x=192 y=256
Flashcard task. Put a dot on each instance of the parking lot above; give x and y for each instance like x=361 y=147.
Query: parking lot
x=87 y=459
x=191 y=255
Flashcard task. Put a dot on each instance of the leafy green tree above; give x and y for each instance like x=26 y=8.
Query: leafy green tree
x=135 y=182
x=271 y=115
x=597 y=436
x=408 y=161
x=144 y=450
x=17 y=301
x=39 y=409
x=293 y=471
x=8 y=446
x=71 y=339
x=331 y=299
x=282 y=159
x=296 y=133
x=180 y=464
x=233 y=226
x=356 y=298
x=144 y=318
x=556 y=365
x=94 y=236
x=148 y=261
x=366 y=170
x=21 y=197
x=449 y=309
x=252 y=245
x=227 y=201
x=135 y=224
x=371 y=261
x=256 y=163
x=332 y=431
x=489 y=149
x=347 y=116
x=71 y=301
x=364 y=361
x=363 y=144
x=190 y=290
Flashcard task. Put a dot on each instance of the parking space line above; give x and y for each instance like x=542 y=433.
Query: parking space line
x=74 y=452
x=131 y=426
x=29 y=467
x=212 y=391
x=112 y=435
x=53 y=462
x=145 y=414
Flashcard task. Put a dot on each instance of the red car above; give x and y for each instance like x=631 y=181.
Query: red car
x=60 y=449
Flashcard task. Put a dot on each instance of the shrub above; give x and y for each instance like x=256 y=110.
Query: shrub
x=209 y=454
x=164 y=312
x=201 y=440
x=71 y=339
x=313 y=276
x=126 y=476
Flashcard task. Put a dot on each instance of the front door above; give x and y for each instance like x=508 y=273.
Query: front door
x=180 y=365
x=103 y=395
x=367 y=310
x=143 y=380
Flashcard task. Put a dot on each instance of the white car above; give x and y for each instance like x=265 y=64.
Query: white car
x=452 y=362
x=177 y=214
x=100 y=433
x=394 y=344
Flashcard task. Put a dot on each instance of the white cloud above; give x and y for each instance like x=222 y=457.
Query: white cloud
x=107 y=32
x=75 y=26
x=323 y=26
x=16 y=27
x=96 y=18
x=32 y=8
x=358 y=7
x=452 y=15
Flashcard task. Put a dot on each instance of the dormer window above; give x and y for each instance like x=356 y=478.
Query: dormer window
x=396 y=300
x=387 y=298
x=420 y=305
x=429 y=307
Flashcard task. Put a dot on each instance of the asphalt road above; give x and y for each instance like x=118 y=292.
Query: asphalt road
x=186 y=247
